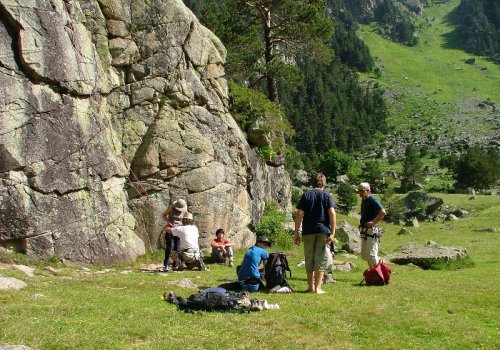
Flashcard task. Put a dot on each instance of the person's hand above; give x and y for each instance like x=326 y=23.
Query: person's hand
x=296 y=239
x=329 y=239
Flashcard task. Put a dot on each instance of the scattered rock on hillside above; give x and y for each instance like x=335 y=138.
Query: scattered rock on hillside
x=412 y=222
x=344 y=266
x=460 y=213
x=14 y=347
x=185 y=283
x=51 y=270
x=489 y=229
x=422 y=201
x=26 y=269
x=405 y=231
x=427 y=255
x=11 y=283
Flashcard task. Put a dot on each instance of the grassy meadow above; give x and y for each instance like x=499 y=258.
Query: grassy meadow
x=107 y=308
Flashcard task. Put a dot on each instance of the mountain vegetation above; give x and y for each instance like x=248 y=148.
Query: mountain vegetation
x=371 y=100
x=263 y=37
x=478 y=27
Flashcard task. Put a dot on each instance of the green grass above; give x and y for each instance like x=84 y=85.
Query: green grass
x=422 y=309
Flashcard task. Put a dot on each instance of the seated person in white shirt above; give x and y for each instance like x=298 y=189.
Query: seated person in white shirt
x=189 y=252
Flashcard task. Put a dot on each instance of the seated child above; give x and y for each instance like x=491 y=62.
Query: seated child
x=222 y=248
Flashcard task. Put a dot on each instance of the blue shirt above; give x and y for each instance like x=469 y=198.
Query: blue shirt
x=369 y=209
x=251 y=261
x=315 y=205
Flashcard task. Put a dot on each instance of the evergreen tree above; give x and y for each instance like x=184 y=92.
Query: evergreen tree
x=478 y=169
x=373 y=173
x=412 y=169
x=346 y=198
x=478 y=25
x=264 y=36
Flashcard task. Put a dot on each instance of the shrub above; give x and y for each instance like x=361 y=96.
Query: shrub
x=334 y=163
x=346 y=198
x=296 y=195
x=272 y=225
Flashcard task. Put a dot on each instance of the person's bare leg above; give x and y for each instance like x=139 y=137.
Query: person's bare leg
x=310 y=282
x=318 y=282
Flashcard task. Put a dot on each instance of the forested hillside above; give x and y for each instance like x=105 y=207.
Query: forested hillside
x=394 y=83
x=478 y=27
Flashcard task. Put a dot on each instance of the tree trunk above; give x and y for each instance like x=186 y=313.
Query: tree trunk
x=272 y=86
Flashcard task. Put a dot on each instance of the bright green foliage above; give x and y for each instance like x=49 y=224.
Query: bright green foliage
x=478 y=169
x=346 y=198
x=412 y=169
x=334 y=163
x=373 y=173
x=248 y=106
x=261 y=35
x=271 y=225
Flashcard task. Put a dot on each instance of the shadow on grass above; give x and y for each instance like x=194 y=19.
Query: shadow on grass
x=451 y=39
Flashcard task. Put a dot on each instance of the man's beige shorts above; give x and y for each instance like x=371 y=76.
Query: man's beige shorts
x=315 y=252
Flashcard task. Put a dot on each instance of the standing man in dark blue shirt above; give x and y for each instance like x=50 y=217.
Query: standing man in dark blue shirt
x=372 y=212
x=316 y=213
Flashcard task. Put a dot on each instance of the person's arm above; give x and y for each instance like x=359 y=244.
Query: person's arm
x=214 y=244
x=333 y=224
x=299 y=215
x=374 y=222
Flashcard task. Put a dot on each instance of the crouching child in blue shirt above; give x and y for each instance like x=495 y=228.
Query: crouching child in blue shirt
x=248 y=272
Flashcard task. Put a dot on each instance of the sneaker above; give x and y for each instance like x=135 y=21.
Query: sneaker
x=231 y=263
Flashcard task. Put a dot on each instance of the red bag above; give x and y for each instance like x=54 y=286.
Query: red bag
x=378 y=275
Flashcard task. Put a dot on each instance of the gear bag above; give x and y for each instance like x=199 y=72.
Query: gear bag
x=379 y=275
x=275 y=270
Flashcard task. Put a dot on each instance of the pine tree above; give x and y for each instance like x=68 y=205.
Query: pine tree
x=263 y=37
x=412 y=169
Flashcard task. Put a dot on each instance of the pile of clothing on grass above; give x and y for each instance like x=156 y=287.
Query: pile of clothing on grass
x=218 y=299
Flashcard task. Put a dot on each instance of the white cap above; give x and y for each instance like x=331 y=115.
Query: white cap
x=364 y=186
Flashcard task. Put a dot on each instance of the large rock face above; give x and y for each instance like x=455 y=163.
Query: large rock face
x=109 y=111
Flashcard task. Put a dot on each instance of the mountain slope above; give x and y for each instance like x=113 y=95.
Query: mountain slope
x=435 y=97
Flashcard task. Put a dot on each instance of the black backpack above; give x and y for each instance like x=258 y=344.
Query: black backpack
x=275 y=270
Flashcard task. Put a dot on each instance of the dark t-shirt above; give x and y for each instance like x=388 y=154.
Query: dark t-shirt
x=369 y=209
x=315 y=204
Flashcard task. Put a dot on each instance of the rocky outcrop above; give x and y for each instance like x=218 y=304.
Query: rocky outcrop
x=109 y=111
x=426 y=256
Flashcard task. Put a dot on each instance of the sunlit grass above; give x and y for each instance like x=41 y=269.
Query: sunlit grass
x=422 y=309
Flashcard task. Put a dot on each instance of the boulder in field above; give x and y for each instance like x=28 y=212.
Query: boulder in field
x=427 y=255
